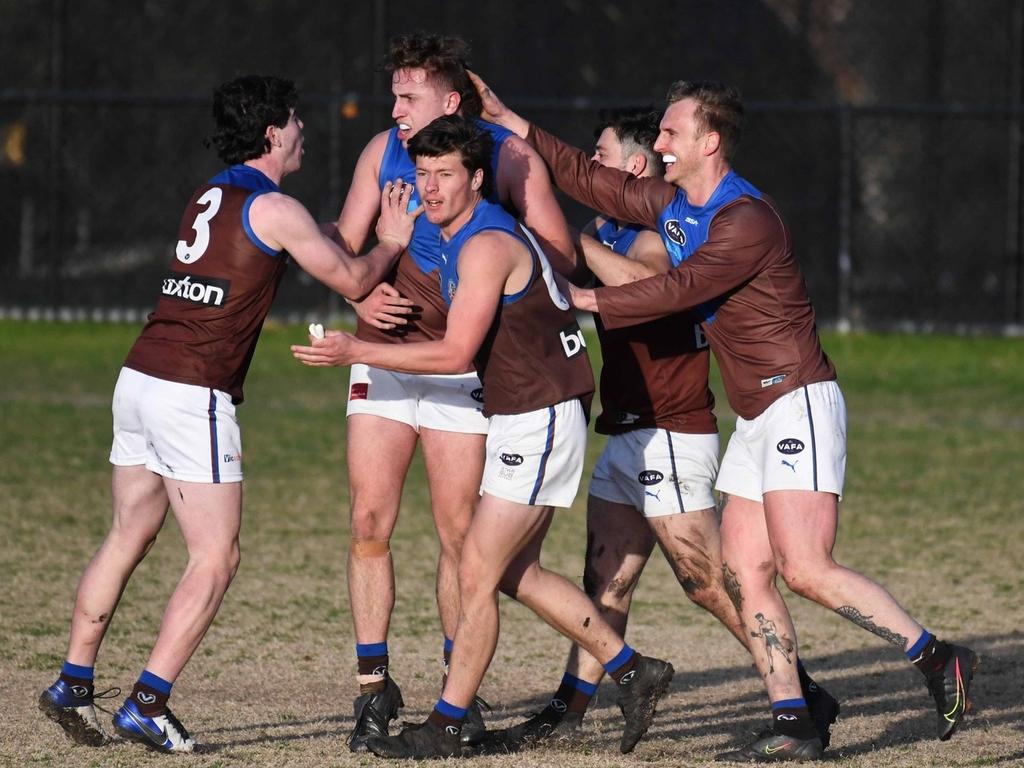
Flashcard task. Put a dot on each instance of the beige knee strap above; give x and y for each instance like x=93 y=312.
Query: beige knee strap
x=370 y=548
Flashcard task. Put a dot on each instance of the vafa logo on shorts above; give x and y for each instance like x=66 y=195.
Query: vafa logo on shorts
x=789 y=446
x=511 y=459
x=650 y=477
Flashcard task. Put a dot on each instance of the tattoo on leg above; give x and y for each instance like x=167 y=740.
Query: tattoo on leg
x=769 y=634
x=865 y=622
x=732 y=587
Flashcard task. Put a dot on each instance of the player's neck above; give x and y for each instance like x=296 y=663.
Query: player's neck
x=269 y=167
x=702 y=186
x=459 y=221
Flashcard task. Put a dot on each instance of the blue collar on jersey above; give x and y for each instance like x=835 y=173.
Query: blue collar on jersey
x=246 y=177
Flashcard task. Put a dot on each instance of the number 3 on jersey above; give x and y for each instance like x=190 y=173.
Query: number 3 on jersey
x=201 y=226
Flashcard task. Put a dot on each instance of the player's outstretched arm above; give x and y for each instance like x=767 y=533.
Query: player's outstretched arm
x=484 y=266
x=614 y=193
x=283 y=223
x=743 y=239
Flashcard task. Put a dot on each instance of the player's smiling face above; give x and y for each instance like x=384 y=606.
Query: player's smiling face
x=418 y=101
x=447 y=189
x=680 y=141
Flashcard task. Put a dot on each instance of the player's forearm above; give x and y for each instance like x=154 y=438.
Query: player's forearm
x=365 y=272
x=612 y=268
x=647 y=299
x=419 y=357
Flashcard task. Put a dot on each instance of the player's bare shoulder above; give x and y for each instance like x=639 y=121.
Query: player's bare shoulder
x=274 y=215
x=495 y=244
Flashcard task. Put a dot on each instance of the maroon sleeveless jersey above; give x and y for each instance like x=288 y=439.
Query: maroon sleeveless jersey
x=216 y=292
x=534 y=354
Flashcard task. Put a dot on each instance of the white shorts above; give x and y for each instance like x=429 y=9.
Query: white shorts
x=537 y=457
x=448 y=403
x=181 y=431
x=657 y=472
x=797 y=444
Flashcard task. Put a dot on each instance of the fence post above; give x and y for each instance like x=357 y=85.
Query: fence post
x=1015 y=186
x=846 y=141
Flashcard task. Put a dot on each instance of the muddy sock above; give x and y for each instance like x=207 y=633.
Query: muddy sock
x=372 y=660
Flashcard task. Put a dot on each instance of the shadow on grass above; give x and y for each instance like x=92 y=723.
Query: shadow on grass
x=735 y=717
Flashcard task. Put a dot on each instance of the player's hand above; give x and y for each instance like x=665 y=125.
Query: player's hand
x=384 y=307
x=582 y=298
x=494 y=109
x=336 y=348
x=396 y=219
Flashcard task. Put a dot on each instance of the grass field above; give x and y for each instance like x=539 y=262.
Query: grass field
x=933 y=509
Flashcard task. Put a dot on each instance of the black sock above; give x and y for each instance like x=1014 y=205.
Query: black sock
x=573 y=695
x=933 y=657
x=791 y=718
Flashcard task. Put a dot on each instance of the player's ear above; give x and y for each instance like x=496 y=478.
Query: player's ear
x=712 y=142
x=478 y=180
x=271 y=135
x=452 y=102
x=637 y=164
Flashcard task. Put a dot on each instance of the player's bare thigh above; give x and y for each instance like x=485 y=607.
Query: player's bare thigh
x=378 y=454
x=455 y=463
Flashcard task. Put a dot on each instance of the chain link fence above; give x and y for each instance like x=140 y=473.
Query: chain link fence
x=889 y=134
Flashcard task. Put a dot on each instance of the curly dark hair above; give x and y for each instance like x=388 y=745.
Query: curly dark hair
x=636 y=128
x=454 y=133
x=444 y=57
x=242 y=110
x=719 y=109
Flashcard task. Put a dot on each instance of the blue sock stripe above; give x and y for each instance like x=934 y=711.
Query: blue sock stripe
x=371 y=649
x=620 y=658
x=450 y=710
x=448 y=644
x=579 y=685
x=155 y=682
x=789 y=704
x=76 y=670
x=917 y=647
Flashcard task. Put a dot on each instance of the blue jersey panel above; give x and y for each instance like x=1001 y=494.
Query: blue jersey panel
x=619 y=239
x=486 y=215
x=249 y=178
x=684 y=227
